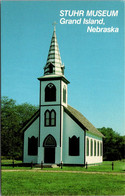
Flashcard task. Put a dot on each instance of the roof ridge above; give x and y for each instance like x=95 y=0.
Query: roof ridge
x=82 y=115
x=84 y=121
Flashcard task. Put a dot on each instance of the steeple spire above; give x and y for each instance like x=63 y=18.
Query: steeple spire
x=54 y=64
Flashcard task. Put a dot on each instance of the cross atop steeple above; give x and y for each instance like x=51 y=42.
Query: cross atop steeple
x=54 y=24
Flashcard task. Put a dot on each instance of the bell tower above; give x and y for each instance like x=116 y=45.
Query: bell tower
x=53 y=98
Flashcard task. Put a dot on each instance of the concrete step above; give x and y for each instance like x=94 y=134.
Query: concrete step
x=47 y=165
x=55 y=166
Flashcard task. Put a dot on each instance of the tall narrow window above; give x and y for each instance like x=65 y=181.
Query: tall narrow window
x=98 y=148
x=50 y=118
x=64 y=94
x=53 y=118
x=74 y=146
x=32 y=146
x=95 y=148
x=87 y=146
x=91 y=147
x=47 y=118
x=50 y=92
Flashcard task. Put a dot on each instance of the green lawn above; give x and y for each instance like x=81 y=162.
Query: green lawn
x=106 y=166
x=34 y=182
x=10 y=161
x=38 y=183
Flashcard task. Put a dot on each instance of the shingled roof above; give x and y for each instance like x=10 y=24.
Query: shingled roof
x=82 y=121
x=54 y=58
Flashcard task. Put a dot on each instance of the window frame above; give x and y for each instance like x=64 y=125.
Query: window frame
x=45 y=118
x=72 y=151
x=98 y=148
x=49 y=137
x=95 y=148
x=87 y=146
x=91 y=147
x=64 y=94
x=48 y=92
x=32 y=146
x=52 y=111
x=50 y=118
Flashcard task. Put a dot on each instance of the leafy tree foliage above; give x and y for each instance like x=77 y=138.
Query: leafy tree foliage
x=13 y=117
x=114 y=145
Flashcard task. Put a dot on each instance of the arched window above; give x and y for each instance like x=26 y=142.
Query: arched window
x=50 y=92
x=49 y=141
x=47 y=118
x=50 y=118
x=98 y=148
x=64 y=94
x=53 y=118
x=32 y=146
x=74 y=146
x=87 y=146
x=95 y=148
x=91 y=147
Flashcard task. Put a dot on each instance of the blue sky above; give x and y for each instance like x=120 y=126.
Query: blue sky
x=94 y=62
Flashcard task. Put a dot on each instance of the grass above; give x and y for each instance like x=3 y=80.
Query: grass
x=106 y=166
x=10 y=161
x=38 y=183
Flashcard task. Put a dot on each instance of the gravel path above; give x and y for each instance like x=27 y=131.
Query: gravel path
x=55 y=171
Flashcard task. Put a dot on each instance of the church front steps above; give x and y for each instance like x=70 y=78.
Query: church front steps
x=47 y=166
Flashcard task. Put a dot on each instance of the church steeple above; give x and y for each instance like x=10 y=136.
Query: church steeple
x=54 y=64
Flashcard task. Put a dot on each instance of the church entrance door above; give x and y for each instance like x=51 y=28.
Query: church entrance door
x=49 y=155
x=49 y=149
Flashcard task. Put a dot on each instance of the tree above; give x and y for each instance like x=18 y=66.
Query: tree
x=12 y=119
x=113 y=147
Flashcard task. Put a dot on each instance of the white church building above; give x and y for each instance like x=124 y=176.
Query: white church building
x=57 y=132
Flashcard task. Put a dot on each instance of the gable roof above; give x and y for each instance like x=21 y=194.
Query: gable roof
x=75 y=115
x=82 y=121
